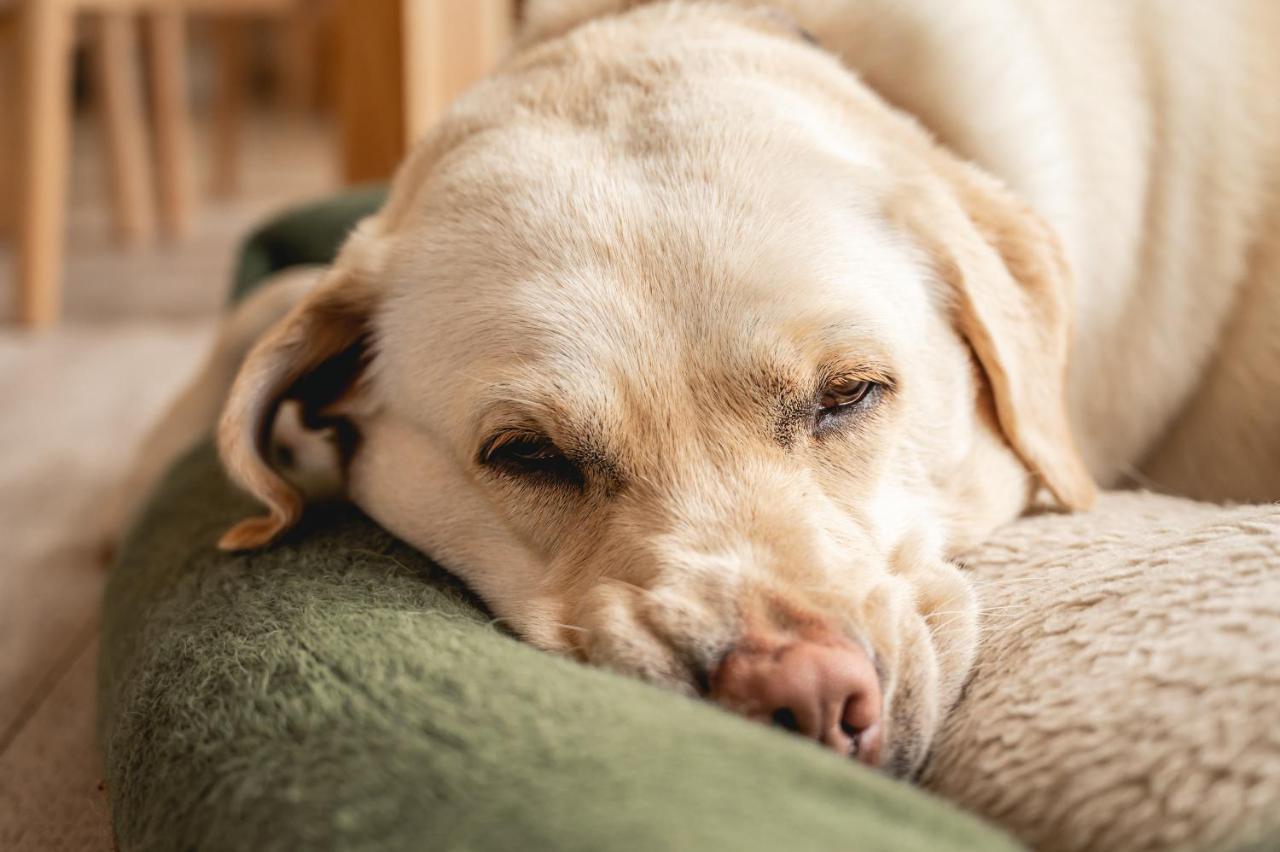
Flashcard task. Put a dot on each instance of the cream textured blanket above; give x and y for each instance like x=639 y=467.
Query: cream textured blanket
x=1127 y=694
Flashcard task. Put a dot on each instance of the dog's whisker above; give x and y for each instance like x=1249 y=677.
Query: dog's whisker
x=999 y=610
x=386 y=557
x=980 y=611
x=946 y=623
x=1139 y=478
x=1008 y=580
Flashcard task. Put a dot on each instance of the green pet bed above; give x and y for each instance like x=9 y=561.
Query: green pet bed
x=340 y=691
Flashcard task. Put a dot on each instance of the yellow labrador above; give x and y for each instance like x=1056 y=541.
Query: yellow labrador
x=700 y=338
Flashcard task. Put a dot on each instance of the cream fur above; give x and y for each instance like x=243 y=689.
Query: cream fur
x=1126 y=690
x=651 y=233
x=1144 y=133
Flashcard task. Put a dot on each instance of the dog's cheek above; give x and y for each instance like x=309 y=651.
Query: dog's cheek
x=419 y=494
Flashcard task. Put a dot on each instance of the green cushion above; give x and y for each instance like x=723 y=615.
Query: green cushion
x=340 y=691
x=310 y=233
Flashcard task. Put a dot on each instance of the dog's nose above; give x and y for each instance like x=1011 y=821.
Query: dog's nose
x=827 y=692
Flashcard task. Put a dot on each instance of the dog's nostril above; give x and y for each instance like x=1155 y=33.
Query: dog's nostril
x=784 y=718
x=854 y=733
x=702 y=679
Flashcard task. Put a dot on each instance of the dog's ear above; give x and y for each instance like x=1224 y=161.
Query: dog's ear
x=315 y=354
x=1010 y=289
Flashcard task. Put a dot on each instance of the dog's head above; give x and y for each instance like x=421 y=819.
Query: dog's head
x=696 y=361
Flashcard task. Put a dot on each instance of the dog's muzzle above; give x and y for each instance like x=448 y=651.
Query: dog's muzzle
x=824 y=688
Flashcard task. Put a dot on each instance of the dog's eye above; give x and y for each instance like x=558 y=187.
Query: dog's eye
x=530 y=455
x=846 y=397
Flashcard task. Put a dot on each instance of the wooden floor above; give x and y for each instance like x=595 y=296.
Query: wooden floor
x=76 y=401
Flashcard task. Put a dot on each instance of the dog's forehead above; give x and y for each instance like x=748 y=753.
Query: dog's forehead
x=641 y=290
x=547 y=258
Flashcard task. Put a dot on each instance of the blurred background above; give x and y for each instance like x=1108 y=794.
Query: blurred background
x=140 y=142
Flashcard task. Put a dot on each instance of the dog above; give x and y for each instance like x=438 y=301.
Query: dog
x=702 y=339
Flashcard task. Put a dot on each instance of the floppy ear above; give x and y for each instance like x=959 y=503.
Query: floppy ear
x=1011 y=291
x=315 y=354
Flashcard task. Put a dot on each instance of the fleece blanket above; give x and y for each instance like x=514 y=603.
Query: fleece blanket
x=1127 y=694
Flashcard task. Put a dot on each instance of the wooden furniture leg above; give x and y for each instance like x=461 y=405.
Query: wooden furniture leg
x=166 y=44
x=128 y=151
x=370 y=88
x=9 y=147
x=403 y=62
x=298 y=35
x=447 y=45
x=45 y=39
x=228 y=104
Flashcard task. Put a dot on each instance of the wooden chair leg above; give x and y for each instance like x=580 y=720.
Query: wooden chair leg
x=446 y=47
x=45 y=38
x=167 y=46
x=124 y=121
x=298 y=36
x=10 y=97
x=403 y=62
x=228 y=104
x=370 y=91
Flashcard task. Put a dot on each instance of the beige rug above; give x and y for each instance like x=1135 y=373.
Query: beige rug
x=75 y=401
x=79 y=399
